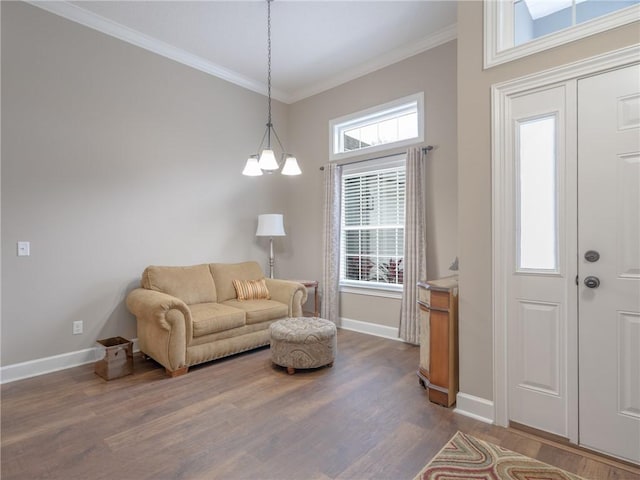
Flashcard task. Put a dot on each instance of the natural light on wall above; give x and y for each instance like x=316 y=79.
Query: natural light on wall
x=537 y=215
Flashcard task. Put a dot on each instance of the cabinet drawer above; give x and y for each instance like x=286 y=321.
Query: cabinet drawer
x=424 y=296
x=440 y=300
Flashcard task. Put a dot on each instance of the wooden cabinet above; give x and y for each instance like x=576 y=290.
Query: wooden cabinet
x=438 y=371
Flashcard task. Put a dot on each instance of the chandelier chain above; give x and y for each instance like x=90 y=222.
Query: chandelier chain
x=269 y=59
x=266 y=160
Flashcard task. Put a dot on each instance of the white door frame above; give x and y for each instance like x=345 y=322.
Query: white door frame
x=500 y=156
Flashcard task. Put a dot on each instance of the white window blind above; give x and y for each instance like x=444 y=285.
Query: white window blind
x=373 y=226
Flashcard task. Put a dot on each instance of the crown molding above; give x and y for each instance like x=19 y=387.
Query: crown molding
x=109 y=27
x=97 y=22
x=440 y=37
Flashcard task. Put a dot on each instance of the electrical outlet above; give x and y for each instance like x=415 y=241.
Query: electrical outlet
x=77 y=327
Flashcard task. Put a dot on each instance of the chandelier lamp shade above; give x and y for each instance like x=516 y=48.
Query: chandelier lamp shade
x=266 y=161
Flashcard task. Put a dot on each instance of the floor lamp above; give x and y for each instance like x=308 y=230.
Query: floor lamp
x=270 y=225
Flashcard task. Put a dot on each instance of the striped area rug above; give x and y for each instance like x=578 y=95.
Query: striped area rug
x=466 y=457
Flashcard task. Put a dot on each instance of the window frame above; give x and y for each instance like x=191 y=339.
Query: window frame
x=389 y=290
x=499 y=30
x=337 y=125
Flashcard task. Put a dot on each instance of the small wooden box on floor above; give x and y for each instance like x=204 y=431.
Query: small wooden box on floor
x=114 y=358
x=438 y=371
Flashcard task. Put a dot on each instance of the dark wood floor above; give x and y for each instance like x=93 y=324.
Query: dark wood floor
x=242 y=418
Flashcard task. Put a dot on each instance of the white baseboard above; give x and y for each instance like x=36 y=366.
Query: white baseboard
x=370 y=328
x=474 y=407
x=40 y=366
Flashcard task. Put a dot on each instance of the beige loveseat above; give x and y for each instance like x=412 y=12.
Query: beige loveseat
x=190 y=315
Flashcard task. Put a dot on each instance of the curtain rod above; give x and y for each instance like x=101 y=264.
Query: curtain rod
x=425 y=150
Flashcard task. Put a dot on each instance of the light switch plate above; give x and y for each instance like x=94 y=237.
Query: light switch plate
x=24 y=249
x=78 y=327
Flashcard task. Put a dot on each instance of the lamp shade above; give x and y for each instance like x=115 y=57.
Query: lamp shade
x=291 y=166
x=270 y=225
x=268 y=160
x=252 y=169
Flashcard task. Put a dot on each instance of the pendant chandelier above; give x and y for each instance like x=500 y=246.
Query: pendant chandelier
x=265 y=161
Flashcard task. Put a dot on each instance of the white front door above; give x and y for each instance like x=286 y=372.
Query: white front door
x=609 y=262
x=572 y=274
x=542 y=366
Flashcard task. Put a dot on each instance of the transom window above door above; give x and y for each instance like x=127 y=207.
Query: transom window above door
x=517 y=28
x=394 y=124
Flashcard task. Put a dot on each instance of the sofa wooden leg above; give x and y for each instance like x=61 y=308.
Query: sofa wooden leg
x=177 y=372
x=291 y=370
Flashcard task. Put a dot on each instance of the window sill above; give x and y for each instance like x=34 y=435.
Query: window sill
x=372 y=291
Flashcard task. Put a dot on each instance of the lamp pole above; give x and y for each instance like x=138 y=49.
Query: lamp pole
x=271 y=259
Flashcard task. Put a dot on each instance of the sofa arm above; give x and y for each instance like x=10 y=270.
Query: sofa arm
x=153 y=306
x=164 y=326
x=292 y=294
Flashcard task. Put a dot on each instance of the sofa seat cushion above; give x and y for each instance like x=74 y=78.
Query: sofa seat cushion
x=259 y=310
x=215 y=317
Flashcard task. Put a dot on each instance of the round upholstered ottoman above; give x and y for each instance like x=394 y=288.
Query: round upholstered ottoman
x=303 y=342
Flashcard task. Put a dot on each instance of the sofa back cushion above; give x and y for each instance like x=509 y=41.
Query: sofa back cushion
x=192 y=284
x=225 y=273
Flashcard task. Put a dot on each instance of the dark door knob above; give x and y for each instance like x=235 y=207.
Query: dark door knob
x=591 y=256
x=592 y=282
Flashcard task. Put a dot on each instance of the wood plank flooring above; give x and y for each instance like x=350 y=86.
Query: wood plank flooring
x=242 y=418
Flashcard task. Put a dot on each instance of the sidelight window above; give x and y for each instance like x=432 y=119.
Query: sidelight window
x=537 y=224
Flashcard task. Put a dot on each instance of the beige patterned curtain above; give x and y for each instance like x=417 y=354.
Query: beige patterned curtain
x=415 y=246
x=331 y=243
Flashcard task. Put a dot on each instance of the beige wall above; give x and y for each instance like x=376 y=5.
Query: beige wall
x=474 y=178
x=432 y=72
x=114 y=158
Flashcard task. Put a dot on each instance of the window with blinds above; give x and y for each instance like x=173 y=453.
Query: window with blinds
x=372 y=230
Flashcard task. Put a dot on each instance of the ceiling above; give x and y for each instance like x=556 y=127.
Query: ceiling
x=316 y=45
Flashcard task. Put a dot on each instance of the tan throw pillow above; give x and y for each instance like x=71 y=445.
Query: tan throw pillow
x=251 y=289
